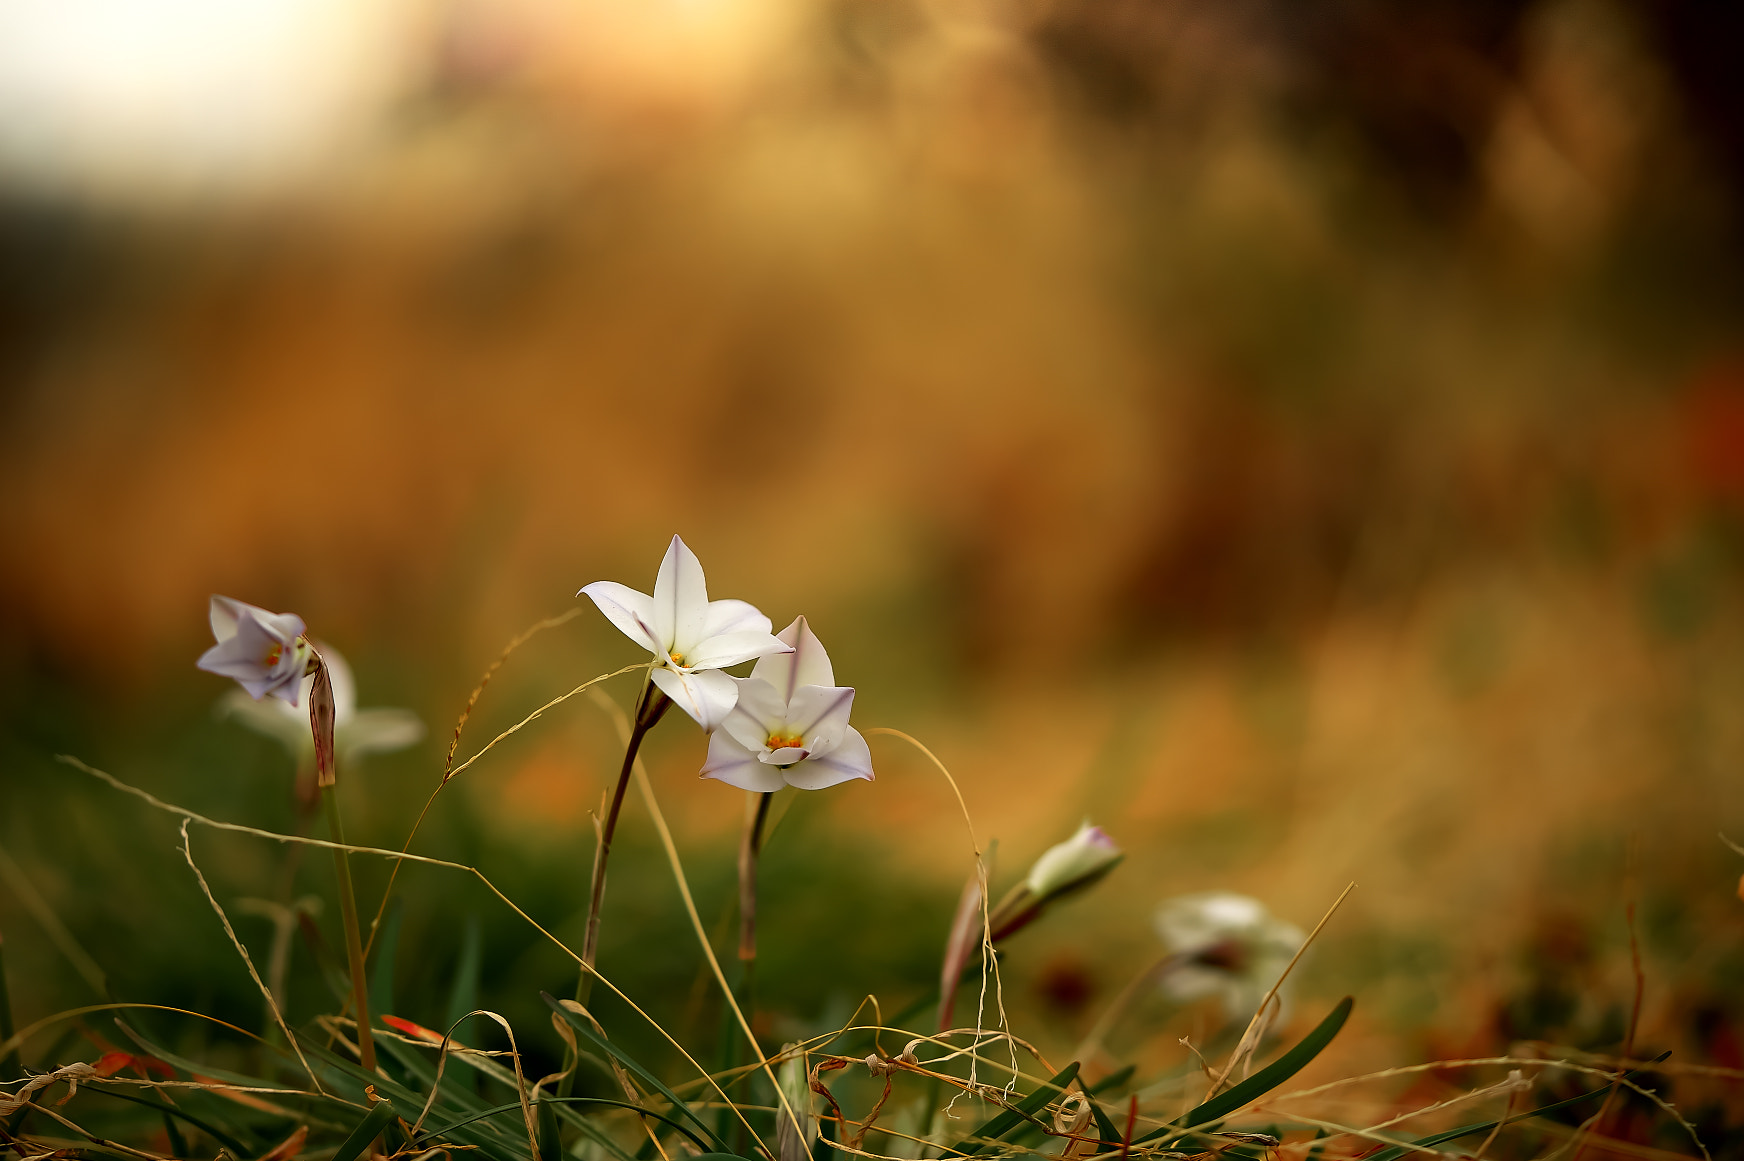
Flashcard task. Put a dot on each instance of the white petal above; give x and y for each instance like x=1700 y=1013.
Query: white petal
x=758 y=713
x=731 y=763
x=344 y=685
x=273 y=718
x=850 y=760
x=732 y=648
x=379 y=731
x=680 y=599
x=786 y=756
x=631 y=611
x=808 y=664
x=819 y=714
x=223 y=614
x=734 y=617
x=707 y=696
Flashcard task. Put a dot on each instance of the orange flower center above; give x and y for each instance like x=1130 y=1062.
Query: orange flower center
x=676 y=659
x=273 y=655
x=780 y=741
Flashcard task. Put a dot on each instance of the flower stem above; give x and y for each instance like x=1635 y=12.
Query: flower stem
x=651 y=705
x=749 y=848
x=353 y=943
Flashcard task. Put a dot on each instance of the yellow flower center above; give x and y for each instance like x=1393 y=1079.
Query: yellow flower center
x=779 y=741
x=676 y=659
x=273 y=655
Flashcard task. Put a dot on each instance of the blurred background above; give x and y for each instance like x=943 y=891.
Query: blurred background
x=1307 y=440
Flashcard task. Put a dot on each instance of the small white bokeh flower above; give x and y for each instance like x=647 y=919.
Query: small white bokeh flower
x=1224 y=945
x=355 y=731
x=1076 y=863
x=266 y=653
x=789 y=726
x=692 y=638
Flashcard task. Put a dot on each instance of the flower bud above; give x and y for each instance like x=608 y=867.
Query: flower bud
x=1077 y=862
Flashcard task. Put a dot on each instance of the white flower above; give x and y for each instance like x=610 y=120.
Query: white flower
x=1077 y=862
x=355 y=731
x=1228 y=945
x=692 y=638
x=265 y=652
x=790 y=725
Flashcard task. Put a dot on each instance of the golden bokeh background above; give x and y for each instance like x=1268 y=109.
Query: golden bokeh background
x=1309 y=442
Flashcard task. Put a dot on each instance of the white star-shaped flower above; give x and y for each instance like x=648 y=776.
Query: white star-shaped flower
x=692 y=638
x=790 y=725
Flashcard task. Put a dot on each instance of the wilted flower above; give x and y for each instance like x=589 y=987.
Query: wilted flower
x=692 y=638
x=1225 y=945
x=1078 y=862
x=265 y=652
x=789 y=726
x=355 y=731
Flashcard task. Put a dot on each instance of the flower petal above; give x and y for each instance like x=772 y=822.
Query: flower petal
x=274 y=718
x=758 y=713
x=707 y=696
x=631 y=611
x=851 y=759
x=808 y=664
x=344 y=685
x=731 y=763
x=786 y=756
x=819 y=714
x=224 y=613
x=378 y=731
x=732 y=648
x=734 y=617
x=680 y=599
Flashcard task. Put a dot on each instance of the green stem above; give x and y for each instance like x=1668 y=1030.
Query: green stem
x=353 y=942
x=651 y=705
x=749 y=850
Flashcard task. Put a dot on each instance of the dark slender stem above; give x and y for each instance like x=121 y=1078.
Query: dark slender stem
x=650 y=707
x=749 y=848
x=353 y=943
x=9 y=1067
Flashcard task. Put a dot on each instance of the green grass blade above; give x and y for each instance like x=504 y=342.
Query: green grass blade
x=367 y=1130
x=555 y=1101
x=586 y=1032
x=381 y=977
x=237 y=1148
x=463 y=997
x=1435 y=1139
x=550 y=1132
x=988 y=1135
x=1263 y=1081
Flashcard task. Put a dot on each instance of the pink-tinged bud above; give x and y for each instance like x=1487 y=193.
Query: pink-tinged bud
x=1077 y=862
x=321 y=718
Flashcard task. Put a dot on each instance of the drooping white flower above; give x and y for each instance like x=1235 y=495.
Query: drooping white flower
x=692 y=638
x=1228 y=945
x=265 y=652
x=789 y=726
x=1079 y=861
x=355 y=731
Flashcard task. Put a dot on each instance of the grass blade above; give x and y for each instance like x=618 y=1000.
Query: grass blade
x=584 y=1030
x=554 y=1101
x=381 y=978
x=1022 y=1112
x=1435 y=1139
x=1263 y=1081
x=367 y=1130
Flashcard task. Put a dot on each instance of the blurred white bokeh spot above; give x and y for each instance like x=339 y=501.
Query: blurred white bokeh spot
x=120 y=97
